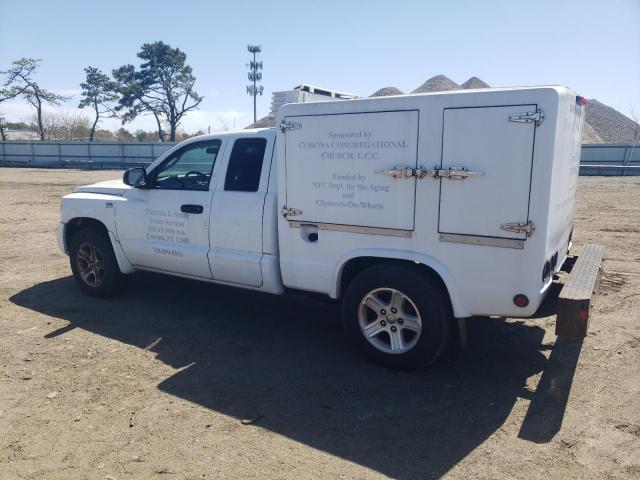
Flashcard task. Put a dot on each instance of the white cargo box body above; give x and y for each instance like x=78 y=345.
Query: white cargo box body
x=477 y=185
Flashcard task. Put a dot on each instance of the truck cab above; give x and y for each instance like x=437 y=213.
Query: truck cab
x=201 y=210
x=411 y=210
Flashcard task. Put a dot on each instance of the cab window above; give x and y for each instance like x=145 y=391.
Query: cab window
x=245 y=165
x=190 y=168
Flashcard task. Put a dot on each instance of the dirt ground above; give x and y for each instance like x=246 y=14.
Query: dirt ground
x=182 y=380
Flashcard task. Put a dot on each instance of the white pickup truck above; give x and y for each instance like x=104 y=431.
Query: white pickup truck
x=412 y=210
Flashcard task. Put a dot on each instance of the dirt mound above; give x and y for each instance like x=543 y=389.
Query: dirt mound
x=609 y=124
x=264 y=122
x=589 y=135
x=386 y=92
x=439 y=83
x=475 y=82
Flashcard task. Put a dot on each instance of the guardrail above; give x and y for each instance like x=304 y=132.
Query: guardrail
x=92 y=155
x=596 y=159
x=610 y=159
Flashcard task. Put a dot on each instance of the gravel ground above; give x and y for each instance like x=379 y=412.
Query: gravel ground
x=182 y=380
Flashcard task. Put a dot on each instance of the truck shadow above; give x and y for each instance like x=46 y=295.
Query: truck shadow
x=283 y=364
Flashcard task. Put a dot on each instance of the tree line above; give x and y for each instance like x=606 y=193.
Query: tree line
x=68 y=124
x=161 y=86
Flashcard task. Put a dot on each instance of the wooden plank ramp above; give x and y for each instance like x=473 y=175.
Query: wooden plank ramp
x=576 y=298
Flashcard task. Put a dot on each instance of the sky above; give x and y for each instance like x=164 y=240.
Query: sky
x=353 y=46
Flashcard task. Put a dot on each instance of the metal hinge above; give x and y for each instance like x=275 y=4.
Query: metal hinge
x=453 y=173
x=290 y=212
x=285 y=126
x=403 y=172
x=528 y=117
x=519 y=227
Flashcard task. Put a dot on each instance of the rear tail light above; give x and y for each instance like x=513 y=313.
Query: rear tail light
x=520 y=300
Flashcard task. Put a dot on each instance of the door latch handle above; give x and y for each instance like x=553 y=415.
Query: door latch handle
x=191 y=209
x=403 y=172
x=454 y=173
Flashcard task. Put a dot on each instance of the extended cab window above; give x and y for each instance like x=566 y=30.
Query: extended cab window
x=189 y=168
x=245 y=165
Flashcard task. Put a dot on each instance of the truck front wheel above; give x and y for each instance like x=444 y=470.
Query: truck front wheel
x=396 y=316
x=94 y=264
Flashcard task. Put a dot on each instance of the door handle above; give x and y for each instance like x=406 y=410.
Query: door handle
x=191 y=208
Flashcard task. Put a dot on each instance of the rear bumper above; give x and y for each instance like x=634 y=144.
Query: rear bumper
x=60 y=234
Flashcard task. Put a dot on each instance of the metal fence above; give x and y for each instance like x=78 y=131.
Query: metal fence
x=610 y=159
x=596 y=159
x=92 y=155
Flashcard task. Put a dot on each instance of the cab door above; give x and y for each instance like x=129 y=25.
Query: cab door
x=236 y=229
x=165 y=226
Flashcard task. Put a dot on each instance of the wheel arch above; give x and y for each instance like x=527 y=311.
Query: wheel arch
x=75 y=224
x=357 y=261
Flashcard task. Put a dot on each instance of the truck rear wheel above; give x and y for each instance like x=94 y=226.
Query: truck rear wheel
x=94 y=264
x=396 y=316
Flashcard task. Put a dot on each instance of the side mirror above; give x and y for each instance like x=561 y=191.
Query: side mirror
x=135 y=177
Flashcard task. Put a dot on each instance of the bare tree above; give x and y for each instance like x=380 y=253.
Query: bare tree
x=636 y=131
x=99 y=93
x=36 y=96
x=3 y=136
x=636 y=120
x=65 y=124
x=224 y=125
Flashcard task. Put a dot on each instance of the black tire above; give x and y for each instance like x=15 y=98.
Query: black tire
x=424 y=297
x=106 y=279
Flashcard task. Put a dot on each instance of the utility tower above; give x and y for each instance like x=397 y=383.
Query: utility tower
x=255 y=75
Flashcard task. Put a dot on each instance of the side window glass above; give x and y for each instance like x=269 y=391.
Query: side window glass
x=189 y=168
x=245 y=165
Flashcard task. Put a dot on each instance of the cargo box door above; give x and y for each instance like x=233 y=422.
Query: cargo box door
x=335 y=168
x=486 y=141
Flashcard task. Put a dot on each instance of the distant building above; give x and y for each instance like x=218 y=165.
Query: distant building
x=301 y=94
x=306 y=93
x=21 y=135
